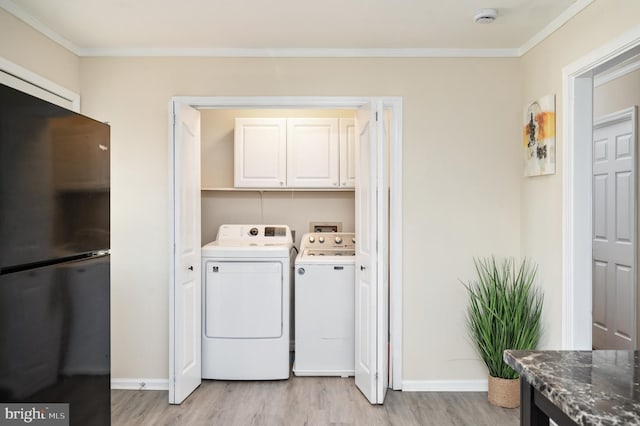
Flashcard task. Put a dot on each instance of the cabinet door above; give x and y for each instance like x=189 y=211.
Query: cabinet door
x=347 y=153
x=260 y=148
x=312 y=153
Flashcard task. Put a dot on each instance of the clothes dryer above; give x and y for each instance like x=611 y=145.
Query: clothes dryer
x=246 y=302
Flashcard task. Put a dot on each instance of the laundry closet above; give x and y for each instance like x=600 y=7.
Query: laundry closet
x=240 y=186
x=217 y=181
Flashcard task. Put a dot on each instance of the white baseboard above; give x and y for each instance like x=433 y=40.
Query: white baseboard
x=444 y=385
x=140 y=384
x=407 y=385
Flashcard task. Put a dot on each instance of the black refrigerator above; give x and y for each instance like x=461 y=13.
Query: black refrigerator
x=54 y=261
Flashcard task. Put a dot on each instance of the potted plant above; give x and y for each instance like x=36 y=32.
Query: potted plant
x=503 y=313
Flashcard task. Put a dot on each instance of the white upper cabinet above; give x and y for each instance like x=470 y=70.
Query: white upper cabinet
x=260 y=149
x=347 y=153
x=313 y=152
x=294 y=153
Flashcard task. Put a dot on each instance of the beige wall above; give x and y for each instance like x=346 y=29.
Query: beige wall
x=541 y=197
x=294 y=208
x=616 y=95
x=461 y=118
x=20 y=44
x=463 y=191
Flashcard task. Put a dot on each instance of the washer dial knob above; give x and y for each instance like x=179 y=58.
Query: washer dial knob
x=321 y=240
x=338 y=240
x=312 y=239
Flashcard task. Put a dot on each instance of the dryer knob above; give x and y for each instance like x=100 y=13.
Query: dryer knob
x=253 y=232
x=338 y=240
x=312 y=239
x=321 y=240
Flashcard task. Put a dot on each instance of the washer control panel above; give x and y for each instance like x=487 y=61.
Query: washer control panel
x=329 y=241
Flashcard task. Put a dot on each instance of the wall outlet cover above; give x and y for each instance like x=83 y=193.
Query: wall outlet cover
x=325 y=226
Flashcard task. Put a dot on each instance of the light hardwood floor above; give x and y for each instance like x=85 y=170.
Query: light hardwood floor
x=305 y=401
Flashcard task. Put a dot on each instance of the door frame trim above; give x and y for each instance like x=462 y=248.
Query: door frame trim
x=171 y=248
x=577 y=102
x=392 y=103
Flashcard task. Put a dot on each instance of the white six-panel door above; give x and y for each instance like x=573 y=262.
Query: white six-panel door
x=371 y=315
x=185 y=364
x=614 y=231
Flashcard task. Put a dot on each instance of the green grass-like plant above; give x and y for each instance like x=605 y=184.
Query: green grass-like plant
x=504 y=311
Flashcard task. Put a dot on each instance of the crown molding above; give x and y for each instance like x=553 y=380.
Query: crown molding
x=21 y=14
x=24 y=16
x=554 y=25
x=303 y=53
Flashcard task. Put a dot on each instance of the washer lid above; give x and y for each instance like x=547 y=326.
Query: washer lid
x=328 y=253
x=327 y=256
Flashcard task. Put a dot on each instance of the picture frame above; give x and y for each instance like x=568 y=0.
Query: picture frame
x=539 y=134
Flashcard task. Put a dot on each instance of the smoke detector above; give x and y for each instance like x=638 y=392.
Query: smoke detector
x=485 y=16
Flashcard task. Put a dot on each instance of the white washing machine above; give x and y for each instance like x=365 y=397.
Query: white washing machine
x=245 y=312
x=324 y=305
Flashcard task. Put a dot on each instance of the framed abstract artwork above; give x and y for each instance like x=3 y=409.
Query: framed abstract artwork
x=540 y=137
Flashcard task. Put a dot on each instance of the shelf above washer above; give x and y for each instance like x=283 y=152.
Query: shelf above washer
x=278 y=189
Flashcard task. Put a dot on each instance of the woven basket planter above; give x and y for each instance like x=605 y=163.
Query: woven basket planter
x=504 y=392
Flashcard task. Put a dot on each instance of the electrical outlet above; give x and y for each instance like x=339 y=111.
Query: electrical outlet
x=325 y=226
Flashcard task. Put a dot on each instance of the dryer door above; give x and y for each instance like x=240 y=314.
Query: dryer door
x=243 y=300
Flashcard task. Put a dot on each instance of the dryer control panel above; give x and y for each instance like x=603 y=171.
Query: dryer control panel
x=255 y=233
x=274 y=231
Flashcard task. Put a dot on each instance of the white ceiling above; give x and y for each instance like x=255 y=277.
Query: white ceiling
x=95 y=26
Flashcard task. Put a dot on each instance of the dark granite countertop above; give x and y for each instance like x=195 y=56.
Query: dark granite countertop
x=591 y=387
